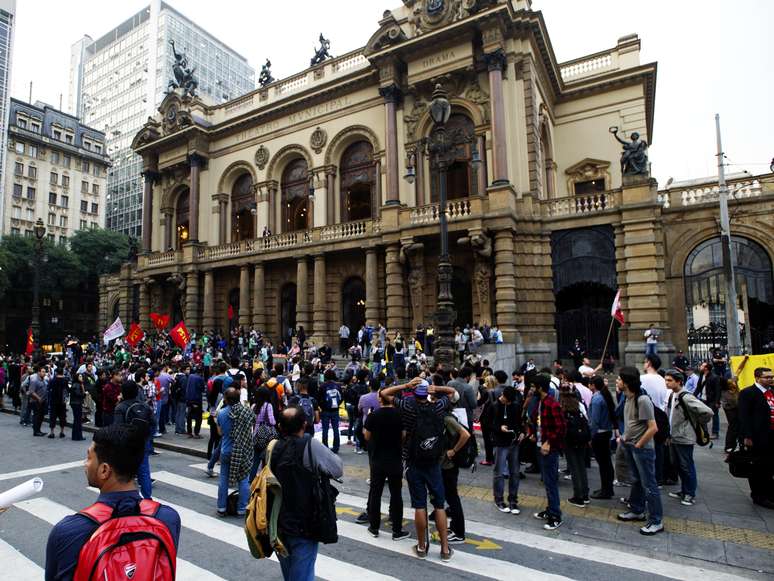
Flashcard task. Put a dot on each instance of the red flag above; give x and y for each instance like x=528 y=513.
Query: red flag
x=135 y=335
x=161 y=322
x=30 y=342
x=180 y=335
x=230 y=312
x=616 y=311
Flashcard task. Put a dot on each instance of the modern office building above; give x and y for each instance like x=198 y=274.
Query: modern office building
x=119 y=80
x=7 y=16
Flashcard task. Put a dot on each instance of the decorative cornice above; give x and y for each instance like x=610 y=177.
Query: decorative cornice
x=391 y=93
x=496 y=60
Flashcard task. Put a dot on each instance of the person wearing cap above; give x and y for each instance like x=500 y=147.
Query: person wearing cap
x=685 y=410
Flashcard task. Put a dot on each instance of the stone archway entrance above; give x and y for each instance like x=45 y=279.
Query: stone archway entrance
x=353 y=297
x=462 y=293
x=232 y=312
x=287 y=311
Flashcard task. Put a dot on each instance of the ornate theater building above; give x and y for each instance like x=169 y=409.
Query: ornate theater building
x=313 y=200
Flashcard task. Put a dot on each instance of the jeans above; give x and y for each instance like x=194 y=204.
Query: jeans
x=38 y=410
x=160 y=429
x=716 y=422
x=194 y=418
x=331 y=419
x=455 y=512
x=77 y=421
x=214 y=457
x=686 y=468
x=164 y=415
x=549 y=468
x=243 y=486
x=299 y=564
x=26 y=410
x=143 y=474
x=600 y=445
x=486 y=433
x=644 y=492
x=651 y=348
x=576 y=463
x=351 y=415
x=506 y=466
x=394 y=478
x=660 y=451
x=180 y=413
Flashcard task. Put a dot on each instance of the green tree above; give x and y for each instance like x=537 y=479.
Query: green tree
x=60 y=270
x=99 y=251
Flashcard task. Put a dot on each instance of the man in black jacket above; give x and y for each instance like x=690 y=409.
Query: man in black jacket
x=708 y=391
x=756 y=430
x=507 y=435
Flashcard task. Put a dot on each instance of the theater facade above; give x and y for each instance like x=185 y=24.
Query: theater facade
x=313 y=200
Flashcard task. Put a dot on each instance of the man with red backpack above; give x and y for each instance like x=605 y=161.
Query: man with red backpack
x=80 y=546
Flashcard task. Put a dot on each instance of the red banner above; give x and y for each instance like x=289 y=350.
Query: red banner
x=30 y=342
x=135 y=335
x=161 y=322
x=616 y=311
x=230 y=312
x=180 y=335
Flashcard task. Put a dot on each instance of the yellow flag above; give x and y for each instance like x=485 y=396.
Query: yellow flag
x=743 y=366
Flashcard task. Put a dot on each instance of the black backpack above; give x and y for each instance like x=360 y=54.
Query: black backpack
x=662 y=422
x=322 y=520
x=140 y=416
x=578 y=432
x=427 y=439
x=466 y=457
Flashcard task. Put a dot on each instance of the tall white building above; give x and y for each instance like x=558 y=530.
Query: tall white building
x=7 y=25
x=118 y=81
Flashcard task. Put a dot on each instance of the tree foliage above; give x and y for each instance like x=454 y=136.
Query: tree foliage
x=100 y=251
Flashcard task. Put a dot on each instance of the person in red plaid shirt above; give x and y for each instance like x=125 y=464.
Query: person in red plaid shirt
x=551 y=429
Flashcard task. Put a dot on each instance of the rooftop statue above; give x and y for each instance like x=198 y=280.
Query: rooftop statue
x=265 y=77
x=320 y=54
x=183 y=75
x=634 y=157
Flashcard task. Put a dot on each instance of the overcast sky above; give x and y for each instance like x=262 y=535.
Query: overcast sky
x=713 y=56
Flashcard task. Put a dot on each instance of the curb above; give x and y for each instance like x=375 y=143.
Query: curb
x=156 y=443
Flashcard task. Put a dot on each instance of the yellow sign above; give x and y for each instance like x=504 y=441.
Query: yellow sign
x=744 y=367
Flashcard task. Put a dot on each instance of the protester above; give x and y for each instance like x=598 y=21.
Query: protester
x=550 y=440
x=756 y=431
x=57 y=402
x=38 y=399
x=456 y=437
x=602 y=421
x=507 y=436
x=235 y=426
x=77 y=395
x=330 y=402
x=136 y=412
x=194 y=391
x=576 y=443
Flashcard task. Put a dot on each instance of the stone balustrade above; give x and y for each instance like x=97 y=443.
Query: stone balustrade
x=710 y=193
x=429 y=214
x=349 y=230
x=581 y=204
x=161 y=258
x=590 y=66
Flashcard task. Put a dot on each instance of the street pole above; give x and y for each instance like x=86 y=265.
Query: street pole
x=732 y=315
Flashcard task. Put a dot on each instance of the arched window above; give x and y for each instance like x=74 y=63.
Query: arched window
x=295 y=196
x=459 y=174
x=242 y=200
x=358 y=180
x=182 y=218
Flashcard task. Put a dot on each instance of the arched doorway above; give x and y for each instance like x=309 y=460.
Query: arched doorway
x=358 y=177
x=242 y=206
x=462 y=293
x=232 y=310
x=353 y=297
x=115 y=312
x=584 y=270
x=459 y=175
x=295 y=196
x=287 y=311
x=705 y=283
x=182 y=214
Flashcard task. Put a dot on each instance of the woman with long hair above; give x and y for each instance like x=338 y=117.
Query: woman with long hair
x=602 y=423
x=576 y=443
x=729 y=401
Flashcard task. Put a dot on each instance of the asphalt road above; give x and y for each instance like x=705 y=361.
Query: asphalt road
x=500 y=546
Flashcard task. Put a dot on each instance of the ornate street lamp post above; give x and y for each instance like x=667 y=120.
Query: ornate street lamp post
x=40 y=233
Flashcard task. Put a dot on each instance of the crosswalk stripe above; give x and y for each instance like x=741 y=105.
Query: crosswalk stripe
x=41 y=470
x=52 y=512
x=475 y=564
x=605 y=555
x=23 y=569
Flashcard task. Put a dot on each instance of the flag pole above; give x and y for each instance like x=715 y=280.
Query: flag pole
x=607 y=341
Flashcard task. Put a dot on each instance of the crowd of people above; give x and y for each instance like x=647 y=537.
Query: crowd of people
x=416 y=420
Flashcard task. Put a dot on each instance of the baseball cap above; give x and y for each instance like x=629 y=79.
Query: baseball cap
x=421 y=389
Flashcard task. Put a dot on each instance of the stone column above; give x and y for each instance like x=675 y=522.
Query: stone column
x=208 y=321
x=481 y=173
x=192 y=301
x=193 y=224
x=244 y=296
x=377 y=188
x=222 y=221
x=320 y=300
x=372 y=289
x=145 y=302
x=330 y=208
x=259 y=309
x=496 y=62
x=505 y=281
x=302 y=295
x=273 y=208
x=151 y=177
x=167 y=231
x=419 y=180
x=396 y=293
x=392 y=94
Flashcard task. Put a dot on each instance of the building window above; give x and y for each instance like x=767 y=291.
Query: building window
x=32 y=172
x=15 y=232
x=589 y=187
x=460 y=181
x=94 y=208
x=358 y=178
x=19 y=148
x=97 y=148
x=35 y=127
x=84 y=224
x=32 y=150
x=98 y=171
x=84 y=206
x=295 y=196
x=95 y=189
x=16 y=212
x=57 y=134
x=69 y=138
x=30 y=215
x=65 y=201
x=84 y=187
x=63 y=240
x=181 y=217
x=54 y=178
x=65 y=182
x=63 y=221
x=19 y=169
x=21 y=121
x=51 y=219
x=28 y=234
x=66 y=161
x=85 y=166
x=30 y=193
x=52 y=198
x=55 y=157
x=242 y=199
x=94 y=225
x=17 y=190
x=51 y=238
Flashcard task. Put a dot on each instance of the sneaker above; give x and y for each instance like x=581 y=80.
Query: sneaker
x=486 y=463
x=567 y=477
x=688 y=500
x=586 y=500
x=502 y=507
x=401 y=535
x=446 y=557
x=51 y=436
x=619 y=483
x=677 y=495
x=61 y=435
x=542 y=515
x=552 y=524
x=631 y=516
x=455 y=540
x=210 y=473
x=514 y=508
x=600 y=495
x=624 y=500
x=358 y=451
x=373 y=532
x=420 y=553
x=362 y=518
x=651 y=529
x=576 y=502
x=220 y=514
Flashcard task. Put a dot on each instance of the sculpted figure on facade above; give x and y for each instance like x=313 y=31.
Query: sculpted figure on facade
x=481 y=245
x=178 y=280
x=634 y=157
x=265 y=77
x=184 y=78
x=322 y=53
x=412 y=255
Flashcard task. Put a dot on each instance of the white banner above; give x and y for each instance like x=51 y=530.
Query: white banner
x=114 y=331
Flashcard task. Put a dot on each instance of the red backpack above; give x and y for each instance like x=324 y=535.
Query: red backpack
x=137 y=547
